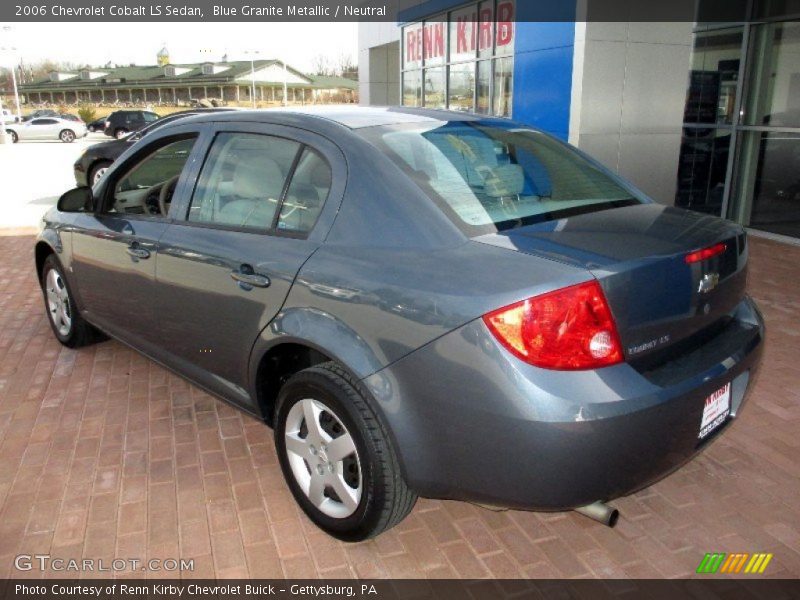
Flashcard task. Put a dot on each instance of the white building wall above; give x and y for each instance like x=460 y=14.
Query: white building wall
x=629 y=91
x=379 y=63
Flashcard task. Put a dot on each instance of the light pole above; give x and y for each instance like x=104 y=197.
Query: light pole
x=12 y=53
x=252 y=54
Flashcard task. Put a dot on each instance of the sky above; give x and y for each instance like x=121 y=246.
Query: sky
x=125 y=43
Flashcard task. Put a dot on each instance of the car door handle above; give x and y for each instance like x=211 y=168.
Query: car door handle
x=247 y=277
x=136 y=251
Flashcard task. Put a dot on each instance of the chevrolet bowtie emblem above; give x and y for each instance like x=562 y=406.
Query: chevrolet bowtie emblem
x=708 y=283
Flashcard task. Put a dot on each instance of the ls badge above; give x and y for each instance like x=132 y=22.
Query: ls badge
x=708 y=283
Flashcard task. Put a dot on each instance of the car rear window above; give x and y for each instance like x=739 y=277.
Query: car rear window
x=488 y=177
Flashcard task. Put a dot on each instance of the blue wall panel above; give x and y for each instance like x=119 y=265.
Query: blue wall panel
x=543 y=75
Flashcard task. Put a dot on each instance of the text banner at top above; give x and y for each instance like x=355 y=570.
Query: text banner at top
x=701 y=11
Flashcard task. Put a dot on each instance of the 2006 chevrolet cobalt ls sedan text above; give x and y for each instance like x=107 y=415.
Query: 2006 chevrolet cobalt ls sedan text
x=420 y=303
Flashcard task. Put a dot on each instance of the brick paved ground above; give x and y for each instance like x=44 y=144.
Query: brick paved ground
x=105 y=454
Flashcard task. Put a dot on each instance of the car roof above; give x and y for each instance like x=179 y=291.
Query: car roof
x=352 y=117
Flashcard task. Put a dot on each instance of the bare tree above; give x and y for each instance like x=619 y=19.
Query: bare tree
x=320 y=65
x=345 y=67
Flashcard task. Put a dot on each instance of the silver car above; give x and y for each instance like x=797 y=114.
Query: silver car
x=47 y=128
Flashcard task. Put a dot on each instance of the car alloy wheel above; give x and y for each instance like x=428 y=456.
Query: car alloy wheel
x=67 y=136
x=58 y=302
x=323 y=458
x=98 y=174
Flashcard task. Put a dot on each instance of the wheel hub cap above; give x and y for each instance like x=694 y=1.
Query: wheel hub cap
x=58 y=302
x=323 y=458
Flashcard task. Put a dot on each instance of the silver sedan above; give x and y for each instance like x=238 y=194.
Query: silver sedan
x=46 y=128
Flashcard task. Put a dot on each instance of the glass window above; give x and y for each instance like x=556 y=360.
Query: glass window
x=433 y=41
x=461 y=87
x=711 y=95
x=434 y=88
x=307 y=192
x=486 y=28
x=463 y=33
x=412 y=46
x=774 y=98
x=489 y=178
x=484 y=87
x=412 y=88
x=503 y=86
x=702 y=168
x=768 y=182
x=504 y=28
x=242 y=180
x=148 y=187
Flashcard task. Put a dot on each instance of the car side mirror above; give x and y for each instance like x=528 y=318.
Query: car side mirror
x=79 y=199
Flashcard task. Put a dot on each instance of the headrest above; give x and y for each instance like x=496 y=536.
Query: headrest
x=257 y=177
x=321 y=175
x=504 y=180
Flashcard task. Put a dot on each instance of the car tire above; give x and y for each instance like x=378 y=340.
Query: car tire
x=97 y=171
x=14 y=136
x=90 y=128
x=120 y=133
x=67 y=136
x=369 y=476
x=68 y=326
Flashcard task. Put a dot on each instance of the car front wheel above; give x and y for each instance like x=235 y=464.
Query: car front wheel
x=67 y=323
x=14 y=136
x=67 y=136
x=336 y=455
x=98 y=171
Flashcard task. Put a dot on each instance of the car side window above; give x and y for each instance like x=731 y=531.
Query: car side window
x=243 y=180
x=43 y=122
x=147 y=187
x=307 y=192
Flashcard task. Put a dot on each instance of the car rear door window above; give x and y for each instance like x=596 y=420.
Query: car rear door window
x=43 y=122
x=307 y=192
x=244 y=180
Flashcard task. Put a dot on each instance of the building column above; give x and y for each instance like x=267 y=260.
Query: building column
x=130 y=95
x=102 y=96
x=221 y=94
x=205 y=92
x=174 y=96
x=237 y=93
x=159 y=95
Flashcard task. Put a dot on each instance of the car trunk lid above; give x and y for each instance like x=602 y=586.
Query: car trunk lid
x=638 y=255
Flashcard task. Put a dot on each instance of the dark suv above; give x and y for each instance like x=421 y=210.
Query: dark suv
x=121 y=122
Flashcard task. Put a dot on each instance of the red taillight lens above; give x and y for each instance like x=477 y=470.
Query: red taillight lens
x=704 y=253
x=569 y=329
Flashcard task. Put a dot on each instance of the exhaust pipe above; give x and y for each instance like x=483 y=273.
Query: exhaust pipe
x=600 y=512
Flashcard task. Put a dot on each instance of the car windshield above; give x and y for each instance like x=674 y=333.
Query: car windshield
x=488 y=177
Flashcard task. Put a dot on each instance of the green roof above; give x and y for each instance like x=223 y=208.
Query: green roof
x=154 y=75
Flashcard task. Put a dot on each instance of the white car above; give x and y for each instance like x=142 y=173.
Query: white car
x=8 y=116
x=47 y=128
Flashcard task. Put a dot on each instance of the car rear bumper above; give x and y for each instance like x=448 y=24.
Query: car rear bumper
x=471 y=422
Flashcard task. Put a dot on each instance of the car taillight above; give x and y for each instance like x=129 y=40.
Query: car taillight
x=704 y=253
x=568 y=329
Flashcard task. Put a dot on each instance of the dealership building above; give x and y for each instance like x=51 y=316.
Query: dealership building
x=704 y=116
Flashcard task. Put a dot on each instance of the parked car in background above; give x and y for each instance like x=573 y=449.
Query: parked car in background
x=42 y=112
x=97 y=124
x=122 y=122
x=47 y=128
x=95 y=160
x=420 y=302
x=8 y=116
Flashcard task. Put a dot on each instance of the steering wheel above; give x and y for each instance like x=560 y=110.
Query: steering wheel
x=164 y=193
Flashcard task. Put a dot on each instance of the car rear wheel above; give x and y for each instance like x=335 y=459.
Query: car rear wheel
x=336 y=455
x=98 y=170
x=14 y=136
x=66 y=322
x=120 y=133
x=67 y=136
